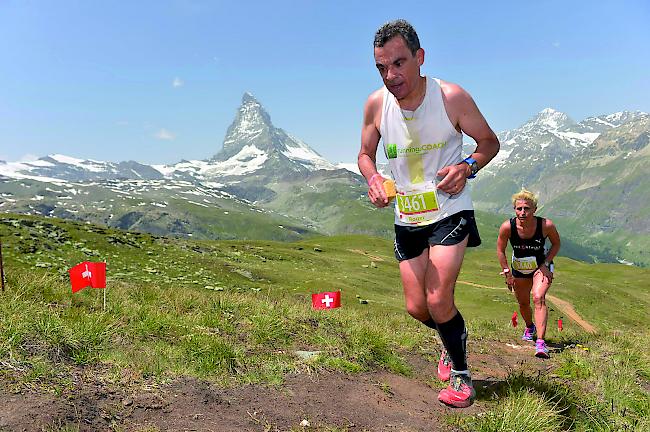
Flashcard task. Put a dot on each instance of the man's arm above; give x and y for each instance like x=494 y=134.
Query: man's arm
x=368 y=153
x=466 y=117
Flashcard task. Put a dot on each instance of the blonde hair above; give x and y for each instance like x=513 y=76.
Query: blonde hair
x=526 y=195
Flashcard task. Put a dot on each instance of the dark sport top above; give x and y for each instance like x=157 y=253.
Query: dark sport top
x=527 y=254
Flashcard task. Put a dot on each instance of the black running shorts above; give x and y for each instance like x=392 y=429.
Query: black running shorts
x=410 y=242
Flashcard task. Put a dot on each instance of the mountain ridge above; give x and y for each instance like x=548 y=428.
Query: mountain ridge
x=263 y=170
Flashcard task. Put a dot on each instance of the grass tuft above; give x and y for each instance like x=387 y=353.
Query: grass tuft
x=521 y=410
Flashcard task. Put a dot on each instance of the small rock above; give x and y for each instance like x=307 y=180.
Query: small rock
x=304 y=423
x=305 y=355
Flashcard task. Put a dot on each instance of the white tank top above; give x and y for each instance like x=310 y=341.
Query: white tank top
x=418 y=144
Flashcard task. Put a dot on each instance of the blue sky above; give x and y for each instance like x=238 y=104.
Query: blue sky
x=160 y=81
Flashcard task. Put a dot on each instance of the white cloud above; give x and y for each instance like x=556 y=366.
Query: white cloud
x=28 y=158
x=178 y=82
x=164 y=134
x=556 y=44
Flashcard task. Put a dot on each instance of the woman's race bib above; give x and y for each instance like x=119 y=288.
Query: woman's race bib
x=524 y=265
x=419 y=205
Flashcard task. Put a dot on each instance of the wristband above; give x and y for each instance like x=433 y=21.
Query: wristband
x=373 y=177
x=506 y=270
x=473 y=166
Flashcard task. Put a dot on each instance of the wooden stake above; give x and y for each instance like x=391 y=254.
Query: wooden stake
x=2 y=269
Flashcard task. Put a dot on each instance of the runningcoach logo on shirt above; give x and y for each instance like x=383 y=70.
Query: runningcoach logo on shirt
x=393 y=152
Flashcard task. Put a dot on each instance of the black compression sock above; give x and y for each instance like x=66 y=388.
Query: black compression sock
x=454 y=337
x=430 y=323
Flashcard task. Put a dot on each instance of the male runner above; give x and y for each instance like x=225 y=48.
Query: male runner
x=421 y=121
x=532 y=264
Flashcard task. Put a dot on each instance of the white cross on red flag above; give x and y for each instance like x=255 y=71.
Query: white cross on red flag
x=326 y=300
x=88 y=274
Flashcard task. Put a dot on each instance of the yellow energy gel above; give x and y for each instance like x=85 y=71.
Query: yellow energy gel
x=389 y=187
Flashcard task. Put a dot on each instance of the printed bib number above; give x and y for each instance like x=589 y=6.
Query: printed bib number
x=417 y=207
x=525 y=265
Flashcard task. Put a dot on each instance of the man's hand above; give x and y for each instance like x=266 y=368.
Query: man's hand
x=376 y=191
x=454 y=178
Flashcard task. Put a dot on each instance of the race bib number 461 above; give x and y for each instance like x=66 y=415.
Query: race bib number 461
x=417 y=207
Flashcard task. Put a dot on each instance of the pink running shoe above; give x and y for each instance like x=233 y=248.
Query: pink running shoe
x=541 y=350
x=529 y=333
x=444 y=366
x=460 y=393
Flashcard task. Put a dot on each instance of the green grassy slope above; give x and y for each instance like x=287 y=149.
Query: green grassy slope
x=359 y=265
x=236 y=311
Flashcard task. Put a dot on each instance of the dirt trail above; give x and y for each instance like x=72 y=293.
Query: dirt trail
x=372 y=257
x=563 y=305
x=364 y=402
x=479 y=285
x=568 y=309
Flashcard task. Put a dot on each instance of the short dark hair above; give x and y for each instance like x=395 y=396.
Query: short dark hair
x=398 y=27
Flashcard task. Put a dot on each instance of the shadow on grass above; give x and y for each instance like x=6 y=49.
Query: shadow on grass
x=488 y=389
x=558 y=347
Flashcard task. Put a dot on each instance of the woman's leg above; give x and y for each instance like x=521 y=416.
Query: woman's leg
x=522 y=293
x=540 y=287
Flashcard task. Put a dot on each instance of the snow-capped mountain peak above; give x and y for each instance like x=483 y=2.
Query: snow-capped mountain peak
x=551 y=119
x=253 y=130
x=251 y=122
x=252 y=146
x=618 y=118
x=553 y=137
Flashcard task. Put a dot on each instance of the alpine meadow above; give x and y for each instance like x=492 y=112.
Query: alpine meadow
x=206 y=321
